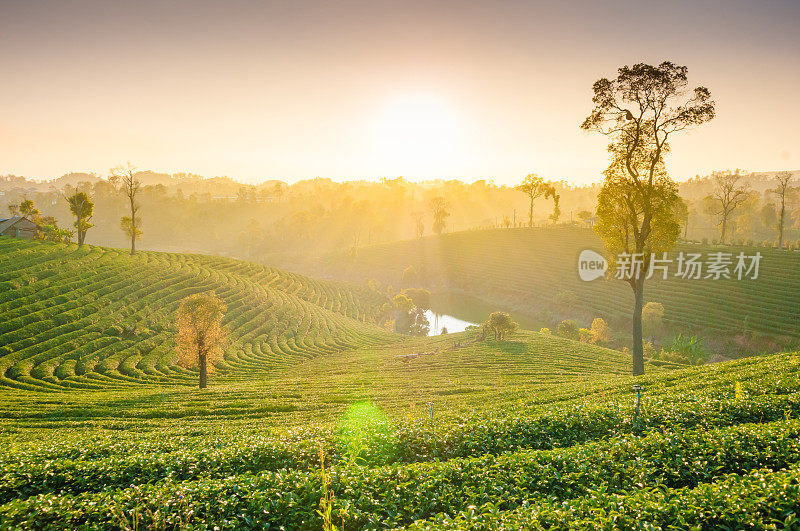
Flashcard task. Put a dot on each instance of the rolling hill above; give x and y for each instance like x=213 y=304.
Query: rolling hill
x=460 y=438
x=101 y=430
x=98 y=318
x=525 y=269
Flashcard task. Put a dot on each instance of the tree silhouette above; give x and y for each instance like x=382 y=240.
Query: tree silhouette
x=782 y=191
x=439 y=209
x=130 y=187
x=728 y=195
x=535 y=187
x=82 y=208
x=637 y=208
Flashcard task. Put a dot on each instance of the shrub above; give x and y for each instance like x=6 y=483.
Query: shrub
x=601 y=334
x=649 y=349
x=500 y=323
x=652 y=318
x=568 y=328
x=671 y=357
x=687 y=350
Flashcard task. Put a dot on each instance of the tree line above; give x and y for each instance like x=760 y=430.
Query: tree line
x=81 y=206
x=254 y=221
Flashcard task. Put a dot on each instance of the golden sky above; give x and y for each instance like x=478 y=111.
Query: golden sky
x=346 y=90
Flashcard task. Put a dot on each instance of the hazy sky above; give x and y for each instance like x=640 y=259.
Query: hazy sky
x=292 y=90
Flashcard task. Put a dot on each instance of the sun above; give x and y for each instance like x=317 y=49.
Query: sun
x=417 y=133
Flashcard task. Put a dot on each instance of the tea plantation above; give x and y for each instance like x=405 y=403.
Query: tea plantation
x=526 y=269
x=101 y=430
x=98 y=318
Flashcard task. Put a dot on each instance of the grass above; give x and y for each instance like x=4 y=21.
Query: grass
x=100 y=430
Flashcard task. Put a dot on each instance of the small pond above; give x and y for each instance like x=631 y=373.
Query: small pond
x=456 y=311
x=442 y=320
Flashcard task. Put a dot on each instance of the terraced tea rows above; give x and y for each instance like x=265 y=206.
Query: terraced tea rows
x=518 y=453
x=526 y=268
x=444 y=432
x=98 y=318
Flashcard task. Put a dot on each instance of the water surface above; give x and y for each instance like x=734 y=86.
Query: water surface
x=456 y=311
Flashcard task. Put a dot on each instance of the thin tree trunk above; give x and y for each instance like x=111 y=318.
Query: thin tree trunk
x=780 y=226
x=203 y=371
x=638 y=341
x=530 y=214
x=724 y=223
x=81 y=233
x=133 y=233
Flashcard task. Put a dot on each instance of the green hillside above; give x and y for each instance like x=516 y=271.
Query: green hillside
x=524 y=269
x=529 y=433
x=101 y=430
x=99 y=318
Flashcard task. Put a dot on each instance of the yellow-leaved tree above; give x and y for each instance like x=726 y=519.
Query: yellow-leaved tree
x=200 y=332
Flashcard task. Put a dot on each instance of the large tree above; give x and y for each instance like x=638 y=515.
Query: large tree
x=82 y=208
x=638 y=205
x=439 y=210
x=728 y=195
x=535 y=187
x=130 y=185
x=200 y=331
x=783 y=191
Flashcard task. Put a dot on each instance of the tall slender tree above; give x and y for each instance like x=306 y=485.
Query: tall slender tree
x=439 y=209
x=728 y=196
x=535 y=187
x=783 y=191
x=554 y=217
x=419 y=224
x=82 y=208
x=637 y=208
x=130 y=186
